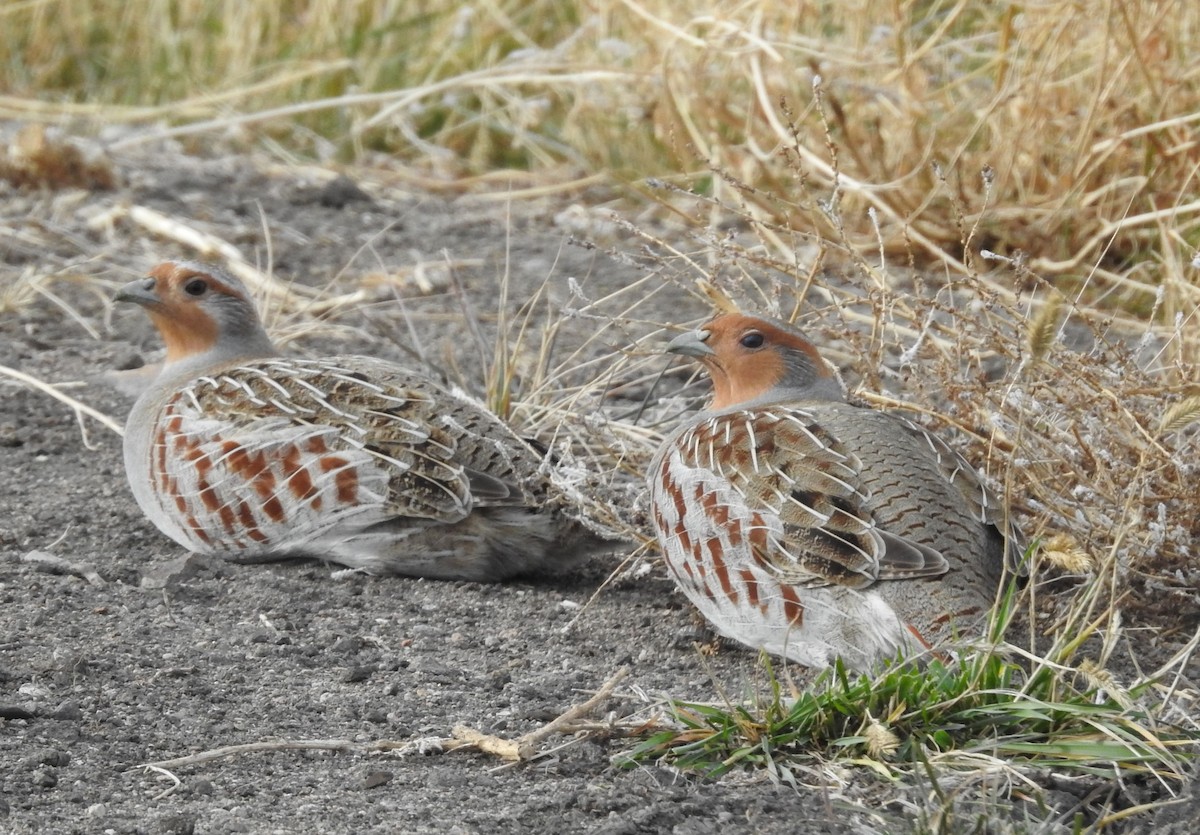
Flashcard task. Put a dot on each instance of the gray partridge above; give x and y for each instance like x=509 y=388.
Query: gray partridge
x=813 y=528
x=238 y=451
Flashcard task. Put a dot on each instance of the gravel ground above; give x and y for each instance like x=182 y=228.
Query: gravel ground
x=158 y=655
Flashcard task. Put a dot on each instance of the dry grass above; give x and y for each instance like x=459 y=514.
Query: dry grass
x=1084 y=117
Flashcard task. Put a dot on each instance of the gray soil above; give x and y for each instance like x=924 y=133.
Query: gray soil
x=164 y=656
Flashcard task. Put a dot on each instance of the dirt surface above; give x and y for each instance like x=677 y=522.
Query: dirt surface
x=158 y=655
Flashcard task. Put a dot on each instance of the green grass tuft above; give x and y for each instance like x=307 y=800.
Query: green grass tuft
x=984 y=703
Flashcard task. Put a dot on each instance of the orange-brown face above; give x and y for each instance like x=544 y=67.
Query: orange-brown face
x=178 y=298
x=747 y=357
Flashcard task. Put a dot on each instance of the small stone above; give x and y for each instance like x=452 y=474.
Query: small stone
x=12 y=712
x=260 y=636
x=170 y=575
x=359 y=673
x=202 y=787
x=341 y=191
x=46 y=756
x=377 y=778
x=177 y=824
x=127 y=360
x=68 y=711
x=346 y=646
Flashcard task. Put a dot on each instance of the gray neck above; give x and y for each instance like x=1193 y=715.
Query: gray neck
x=175 y=374
x=820 y=390
x=828 y=389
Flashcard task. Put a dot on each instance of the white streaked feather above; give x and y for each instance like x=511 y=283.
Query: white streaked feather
x=283 y=408
x=753 y=442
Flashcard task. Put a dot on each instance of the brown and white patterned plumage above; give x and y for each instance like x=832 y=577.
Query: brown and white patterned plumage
x=807 y=526
x=238 y=451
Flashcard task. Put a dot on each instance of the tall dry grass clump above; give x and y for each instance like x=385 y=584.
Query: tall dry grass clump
x=1084 y=113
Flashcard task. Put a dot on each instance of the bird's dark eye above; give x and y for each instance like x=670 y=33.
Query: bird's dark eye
x=752 y=340
x=195 y=287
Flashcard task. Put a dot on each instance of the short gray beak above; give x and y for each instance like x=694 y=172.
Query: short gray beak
x=140 y=292
x=691 y=344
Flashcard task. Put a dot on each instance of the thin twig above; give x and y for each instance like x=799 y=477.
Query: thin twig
x=341 y=745
x=64 y=566
x=521 y=749
x=533 y=738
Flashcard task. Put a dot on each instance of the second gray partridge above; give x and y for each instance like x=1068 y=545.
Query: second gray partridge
x=813 y=528
x=239 y=451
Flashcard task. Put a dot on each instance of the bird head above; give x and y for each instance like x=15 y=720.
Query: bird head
x=200 y=311
x=756 y=359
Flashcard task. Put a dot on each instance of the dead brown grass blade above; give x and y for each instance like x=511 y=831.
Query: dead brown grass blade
x=1089 y=158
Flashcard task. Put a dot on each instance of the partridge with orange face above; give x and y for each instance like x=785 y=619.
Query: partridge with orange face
x=238 y=451
x=812 y=528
